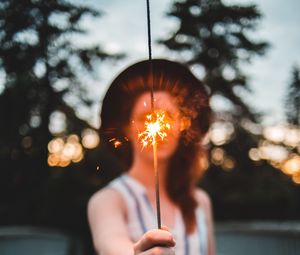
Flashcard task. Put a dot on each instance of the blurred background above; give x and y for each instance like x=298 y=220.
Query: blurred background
x=57 y=59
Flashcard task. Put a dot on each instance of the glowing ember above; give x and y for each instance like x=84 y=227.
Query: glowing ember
x=156 y=127
x=115 y=142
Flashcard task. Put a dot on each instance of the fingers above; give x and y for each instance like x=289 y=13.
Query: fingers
x=159 y=251
x=156 y=238
x=164 y=228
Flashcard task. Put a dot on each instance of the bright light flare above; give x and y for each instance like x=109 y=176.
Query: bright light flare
x=156 y=126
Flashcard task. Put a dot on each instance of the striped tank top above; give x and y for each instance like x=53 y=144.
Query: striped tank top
x=141 y=218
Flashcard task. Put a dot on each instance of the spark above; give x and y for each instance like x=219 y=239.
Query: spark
x=115 y=142
x=156 y=127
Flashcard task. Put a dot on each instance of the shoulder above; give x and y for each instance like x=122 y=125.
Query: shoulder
x=107 y=198
x=202 y=198
x=107 y=194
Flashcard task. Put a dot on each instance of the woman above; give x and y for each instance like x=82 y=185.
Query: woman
x=122 y=215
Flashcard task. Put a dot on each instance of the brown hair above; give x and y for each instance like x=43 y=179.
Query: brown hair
x=193 y=102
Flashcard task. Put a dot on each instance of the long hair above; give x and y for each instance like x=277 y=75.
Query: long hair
x=193 y=102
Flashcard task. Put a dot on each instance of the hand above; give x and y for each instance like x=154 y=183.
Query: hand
x=155 y=242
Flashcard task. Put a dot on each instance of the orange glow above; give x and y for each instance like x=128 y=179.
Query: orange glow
x=292 y=137
x=68 y=150
x=64 y=163
x=292 y=165
x=73 y=138
x=156 y=127
x=203 y=162
x=115 y=142
x=53 y=160
x=56 y=145
x=228 y=164
x=64 y=151
x=77 y=158
x=217 y=156
x=296 y=178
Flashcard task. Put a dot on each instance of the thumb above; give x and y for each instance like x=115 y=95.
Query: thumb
x=165 y=228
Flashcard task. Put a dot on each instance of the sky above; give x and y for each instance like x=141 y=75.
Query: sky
x=123 y=28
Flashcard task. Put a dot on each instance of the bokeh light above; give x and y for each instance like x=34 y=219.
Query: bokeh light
x=228 y=164
x=254 y=154
x=90 y=138
x=281 y=149
x=292 y=137
x=55 y=145
x=65 y=150
x=221 y=132
x=272 y=152
x=220 y=158
x=217 y=156
x=296 y=178
x=292 y=165
x=275 y=134
x=279 y=146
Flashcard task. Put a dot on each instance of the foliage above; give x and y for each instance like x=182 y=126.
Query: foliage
x=42 y=66
x=292 y=102
x=216 y=37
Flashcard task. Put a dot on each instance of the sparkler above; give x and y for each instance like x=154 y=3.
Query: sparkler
x=156 y=126
x=156 y=123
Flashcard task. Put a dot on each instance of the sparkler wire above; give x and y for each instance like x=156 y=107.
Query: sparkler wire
x=150 y=51
x=152 y=107
x=157 y=197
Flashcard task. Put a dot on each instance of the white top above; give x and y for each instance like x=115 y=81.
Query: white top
x=142 y=217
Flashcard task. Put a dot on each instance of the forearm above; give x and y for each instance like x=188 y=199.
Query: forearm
x=114 y=246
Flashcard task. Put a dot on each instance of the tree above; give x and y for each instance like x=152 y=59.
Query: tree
x=42 y=66
x=215 y=36
x=215 y=39
x=292 y=102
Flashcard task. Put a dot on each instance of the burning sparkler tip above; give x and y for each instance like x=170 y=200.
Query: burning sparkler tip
x=156 y=125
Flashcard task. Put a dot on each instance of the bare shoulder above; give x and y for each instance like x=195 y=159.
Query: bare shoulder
x=104 y=194
x=107 y=197
x=202 y=198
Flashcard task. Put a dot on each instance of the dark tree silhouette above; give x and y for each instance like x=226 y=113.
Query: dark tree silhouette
x=41 y=65
x=292 y=101
x=216 y=37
